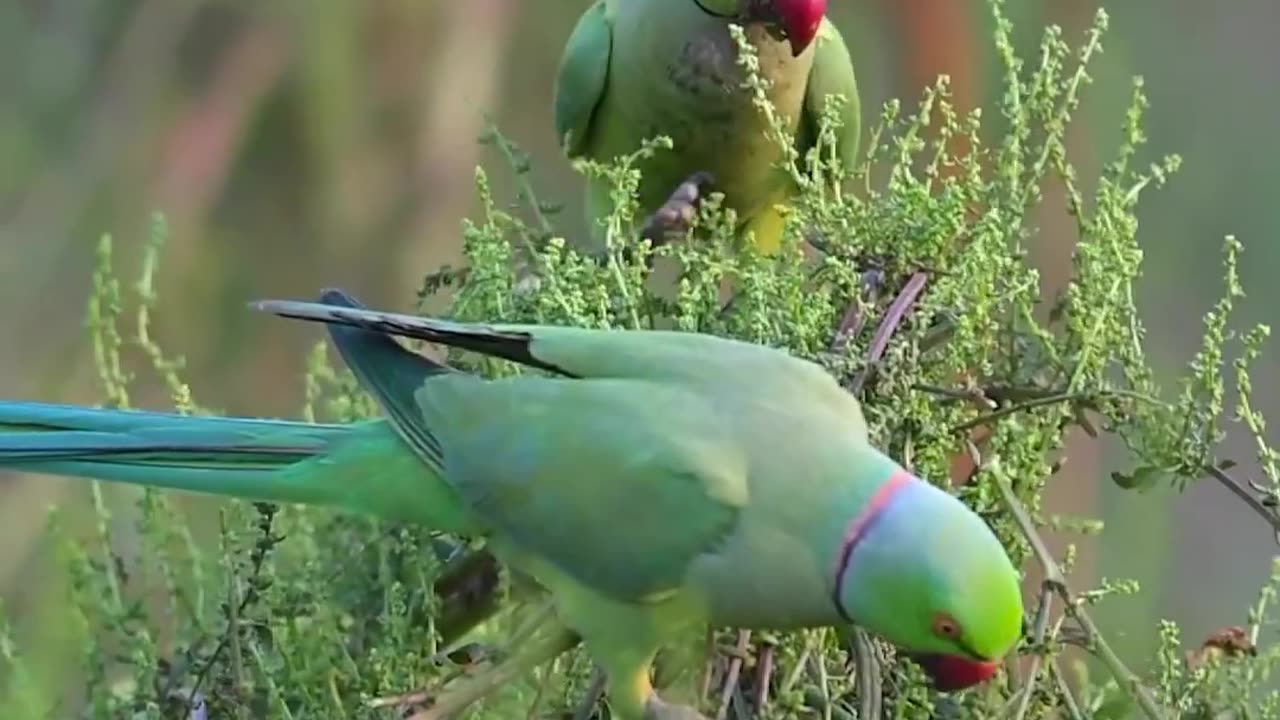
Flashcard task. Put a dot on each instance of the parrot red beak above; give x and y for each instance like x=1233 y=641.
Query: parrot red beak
x=801 y=20
x=950 y=672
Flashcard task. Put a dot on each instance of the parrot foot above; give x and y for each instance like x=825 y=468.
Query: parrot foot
x=677 y=213
x=655 y=708
x=469 y=660
x=475 y=685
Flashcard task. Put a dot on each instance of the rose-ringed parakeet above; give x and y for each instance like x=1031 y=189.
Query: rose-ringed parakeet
x=653 y=482
x=635 y=69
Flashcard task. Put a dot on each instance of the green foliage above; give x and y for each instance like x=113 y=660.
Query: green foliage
x=920 y=297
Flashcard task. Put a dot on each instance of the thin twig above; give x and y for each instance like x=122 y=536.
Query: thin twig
x=524 y=186
x=901 y=305
x=1054 y=579
x=739 y=703
x=818 y=660
x=854 y=320
x=764 y=673
x=1072 y=397
x=594 y=692
x=794 y=676
x=1068 y=700
x=1033 y=397
x=257 y=558
x=704 y=686
x=400 y=700
x=1037 y=638
x=1247 y=497
x=870 y=701
x=546 y=674
x=233 y=632
x=731 y=677
x=977 y=396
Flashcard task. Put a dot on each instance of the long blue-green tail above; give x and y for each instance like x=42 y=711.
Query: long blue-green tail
x=362 y=467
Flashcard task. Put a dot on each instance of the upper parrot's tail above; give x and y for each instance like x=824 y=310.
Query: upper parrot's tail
x=362 y=466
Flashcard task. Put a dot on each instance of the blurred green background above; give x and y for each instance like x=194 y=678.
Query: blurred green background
x=301 y=143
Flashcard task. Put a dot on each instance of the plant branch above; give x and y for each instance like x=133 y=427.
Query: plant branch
x=258 y=557
x=854 y=319
x=594 y=692
x=1030 y=397
x=1039 y=630
x=888 y=326
x=1052 y=399
x=1056 y=581
x=764 y=674
x=1240 y=491
x=731 y=677
x=1068 y=699
x=870 y=701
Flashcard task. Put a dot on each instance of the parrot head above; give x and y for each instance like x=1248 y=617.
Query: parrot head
x=796 y=21
x=928 y=575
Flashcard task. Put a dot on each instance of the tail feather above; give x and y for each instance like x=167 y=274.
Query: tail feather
x=18 y=416
x=223 y=456
x=160 y=447
x=361 y=466
x=338 y=308
x=379 y=467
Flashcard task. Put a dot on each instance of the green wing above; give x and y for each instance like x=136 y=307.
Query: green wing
x=582 y=76
x=708 y=363
x=620 y=484
x=832 y=74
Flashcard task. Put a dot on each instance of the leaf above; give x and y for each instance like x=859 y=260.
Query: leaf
x=1142 y=479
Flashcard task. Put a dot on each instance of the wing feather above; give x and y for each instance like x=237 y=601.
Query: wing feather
x=832 y=74
x=582 y=76
x=618 y=483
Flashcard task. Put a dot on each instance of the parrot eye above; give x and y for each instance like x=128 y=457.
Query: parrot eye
x=946 y=626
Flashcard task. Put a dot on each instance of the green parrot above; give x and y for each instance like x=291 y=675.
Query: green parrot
x=635 y=69
x=653 y=482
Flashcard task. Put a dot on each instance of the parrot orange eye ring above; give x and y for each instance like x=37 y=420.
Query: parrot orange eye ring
x=946 y=626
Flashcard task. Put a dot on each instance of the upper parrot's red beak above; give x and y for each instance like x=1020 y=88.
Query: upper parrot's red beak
x=801 y=20
x=951 y=672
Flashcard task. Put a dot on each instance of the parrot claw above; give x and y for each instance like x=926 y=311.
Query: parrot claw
x=483 y=679
x=657 y=709
x=674 y=217
x=677 y=213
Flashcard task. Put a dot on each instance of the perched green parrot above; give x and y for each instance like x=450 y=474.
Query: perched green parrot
x=653 y=482
x=636 y=69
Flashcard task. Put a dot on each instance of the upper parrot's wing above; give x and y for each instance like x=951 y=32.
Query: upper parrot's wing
x=618 y=483
x=582 y=76
x=832 y=74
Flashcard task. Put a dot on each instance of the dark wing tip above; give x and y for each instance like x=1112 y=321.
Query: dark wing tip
x=337 y=308
x=338 y=296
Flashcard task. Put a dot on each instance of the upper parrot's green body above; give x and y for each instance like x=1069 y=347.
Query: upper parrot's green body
x=655 y=482
x=636 y=69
